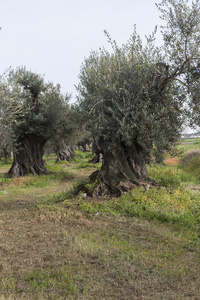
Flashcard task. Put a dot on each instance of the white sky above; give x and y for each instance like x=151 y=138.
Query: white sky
x=52 y=37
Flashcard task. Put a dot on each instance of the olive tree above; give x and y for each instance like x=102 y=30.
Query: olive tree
x=31 y=109
x=63 y=143
x=6 y=144
x=133 y=97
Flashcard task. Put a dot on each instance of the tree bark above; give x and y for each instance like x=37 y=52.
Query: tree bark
x=28 y=157
x=66 y=153
x=97 y=151
x=123 y=168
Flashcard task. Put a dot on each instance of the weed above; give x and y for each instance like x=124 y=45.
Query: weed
x=62 y=162
x=87 y=164
x=56 y=281
x=8 y=283
x=5 y=163
x=169 y=176
x=81 y=156
x=72 y=192
x=52 y=199
x=191 y=164
x=179 y=207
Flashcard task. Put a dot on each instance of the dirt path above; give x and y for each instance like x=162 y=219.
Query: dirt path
x=29 y=240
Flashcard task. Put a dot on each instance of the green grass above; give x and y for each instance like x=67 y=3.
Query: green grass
x=142 y=245
x=193 y=167
x=197 y=140
x=82 y=156
x=87 y=164
x=56 y=174
x=187 y=145
x=172 y=176
x=4 y=163
x=178 y=207
x=169 y=203
x=53 y=199
x=58 y=281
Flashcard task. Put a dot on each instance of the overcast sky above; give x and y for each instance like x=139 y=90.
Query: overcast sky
x=52 y=37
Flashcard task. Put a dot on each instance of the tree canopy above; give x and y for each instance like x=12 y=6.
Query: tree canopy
x=28 y=104
x=134 y=97
x=30 y=111
x=123 y=95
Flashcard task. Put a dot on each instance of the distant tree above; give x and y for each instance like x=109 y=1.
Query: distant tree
x=30 y=109
x=6 y=145
x=133 y=97
x=84 y=139
x=65 y=140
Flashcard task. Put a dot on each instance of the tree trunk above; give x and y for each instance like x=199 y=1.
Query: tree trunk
x=28 y=157
x=123 y=169
x=6 y=154
x=65 y=153
x=97 y=151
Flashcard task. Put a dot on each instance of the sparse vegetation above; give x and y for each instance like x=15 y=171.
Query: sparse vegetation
x=144 y=244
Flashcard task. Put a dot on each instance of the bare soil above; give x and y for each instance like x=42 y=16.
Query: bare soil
x=172 y=161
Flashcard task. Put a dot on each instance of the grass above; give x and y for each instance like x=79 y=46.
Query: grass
x=81 y=156
x=58 y=281
x=143 y=245
x=193 y=167
x=194 y=140
x=188 y=145
x=179 y=208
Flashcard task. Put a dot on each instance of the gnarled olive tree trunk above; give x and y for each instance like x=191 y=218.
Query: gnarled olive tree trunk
x=123 y=168
x=97 y=151
x=28 y=157
x=65 y=153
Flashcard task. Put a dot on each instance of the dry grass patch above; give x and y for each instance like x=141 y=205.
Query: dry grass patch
x=172 y=161
x=99 y=257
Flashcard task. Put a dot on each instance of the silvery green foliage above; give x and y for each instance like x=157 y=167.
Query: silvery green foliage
x=127 y=98
x=122 y=95
x=182 y=41
x=29 y=106
x=69 y=128
x=181 y=33
x=182 y=48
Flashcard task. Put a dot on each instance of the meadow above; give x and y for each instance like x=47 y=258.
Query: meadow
x=142 y=245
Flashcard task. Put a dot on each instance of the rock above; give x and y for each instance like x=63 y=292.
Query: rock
x=98 y=214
